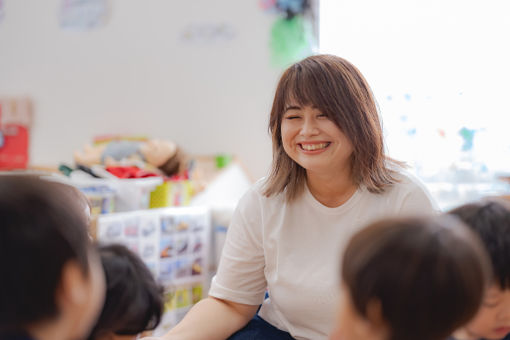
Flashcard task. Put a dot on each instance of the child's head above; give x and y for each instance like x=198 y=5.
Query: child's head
x=134 y=301
x=52 y=279
x=338 y=90
x=490 y=219
x=412 y=278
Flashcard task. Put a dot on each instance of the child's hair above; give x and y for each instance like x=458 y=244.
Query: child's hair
x=42 y=227
x=338 y=89
x=134 y=301
x=490 y=219
x=428 y=274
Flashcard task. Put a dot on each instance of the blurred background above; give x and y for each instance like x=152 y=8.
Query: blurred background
x=203 y=74
x=195 y=72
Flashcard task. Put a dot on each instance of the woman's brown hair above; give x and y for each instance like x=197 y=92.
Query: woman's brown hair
x=336 y=88
x=429 y=275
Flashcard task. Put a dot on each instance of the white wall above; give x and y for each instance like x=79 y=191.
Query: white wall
x=136 y=75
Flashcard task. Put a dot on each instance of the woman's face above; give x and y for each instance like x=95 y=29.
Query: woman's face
x=314 y=141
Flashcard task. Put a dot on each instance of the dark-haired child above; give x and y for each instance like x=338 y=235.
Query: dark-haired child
x=412 y=278
x=490 y=219
x=134 y=300
x=52 y=284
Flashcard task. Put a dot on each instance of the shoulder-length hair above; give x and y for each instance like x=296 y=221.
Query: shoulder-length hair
x=338 y=89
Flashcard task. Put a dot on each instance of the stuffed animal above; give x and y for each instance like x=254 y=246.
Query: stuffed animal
x=161 y=154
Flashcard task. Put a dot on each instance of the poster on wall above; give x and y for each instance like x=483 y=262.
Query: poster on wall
x=208 y=33
x=174 y=243
x=84 y=15
x=293 y=34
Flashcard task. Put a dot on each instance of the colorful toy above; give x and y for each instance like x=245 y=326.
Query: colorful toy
x=162 y=154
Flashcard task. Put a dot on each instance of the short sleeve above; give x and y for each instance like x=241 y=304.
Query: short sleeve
x=240 y=277
x=417 y=199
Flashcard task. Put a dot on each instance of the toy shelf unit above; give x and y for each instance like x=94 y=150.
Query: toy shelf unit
x=181 y=244
x=174 y=244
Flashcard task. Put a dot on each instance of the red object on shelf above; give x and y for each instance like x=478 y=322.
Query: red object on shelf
x=129 y=172
x=15 y=120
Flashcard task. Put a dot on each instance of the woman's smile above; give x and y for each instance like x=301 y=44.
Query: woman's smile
x=313 y=140
x=314 y=147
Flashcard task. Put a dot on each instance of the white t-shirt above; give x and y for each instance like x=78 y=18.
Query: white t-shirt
x=293 y=250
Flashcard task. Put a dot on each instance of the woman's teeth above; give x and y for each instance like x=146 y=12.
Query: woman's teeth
x=312 y=147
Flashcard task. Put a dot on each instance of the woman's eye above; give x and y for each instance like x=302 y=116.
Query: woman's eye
x=291 y=117
x=322 y=115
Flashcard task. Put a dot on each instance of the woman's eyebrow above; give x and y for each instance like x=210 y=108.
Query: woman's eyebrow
x=292 y=107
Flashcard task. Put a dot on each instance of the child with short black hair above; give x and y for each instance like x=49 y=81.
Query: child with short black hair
x=490 y=220
x=52 y=284
x=134 y=301
x=410 y=278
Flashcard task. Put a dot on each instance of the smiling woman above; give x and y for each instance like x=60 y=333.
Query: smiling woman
x=315 y=142
x=335 y=93
x=330 y=177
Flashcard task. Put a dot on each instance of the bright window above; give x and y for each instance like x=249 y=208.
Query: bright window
x=440 y=71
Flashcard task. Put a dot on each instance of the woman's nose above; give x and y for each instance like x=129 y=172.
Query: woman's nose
x=309 y=127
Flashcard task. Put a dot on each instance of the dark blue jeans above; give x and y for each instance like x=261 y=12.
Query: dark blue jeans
x=259 y=329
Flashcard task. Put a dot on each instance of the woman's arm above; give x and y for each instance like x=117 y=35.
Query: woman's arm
x=212 y=319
